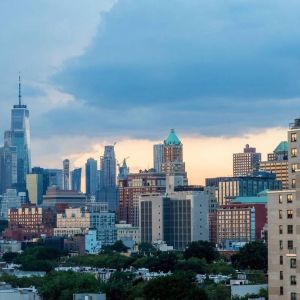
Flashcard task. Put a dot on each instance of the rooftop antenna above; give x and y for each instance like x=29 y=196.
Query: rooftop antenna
x=20 y=96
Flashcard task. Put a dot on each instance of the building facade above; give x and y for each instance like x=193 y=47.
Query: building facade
x=131 y=187
x=247 y=162
x=245 y=186
x=91 y=177
x=66 y=174
x=277 y=163
x=158 y=156
x=178 y=218
x=76 y=180
x=34 y=187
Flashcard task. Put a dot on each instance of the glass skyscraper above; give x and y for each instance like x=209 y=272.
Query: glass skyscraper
x=20 y=138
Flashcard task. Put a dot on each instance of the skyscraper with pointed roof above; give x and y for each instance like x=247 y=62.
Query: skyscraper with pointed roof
x=173 y=156
x=20 y=138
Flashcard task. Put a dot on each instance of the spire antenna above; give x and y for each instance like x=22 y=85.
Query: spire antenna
x=20 y=95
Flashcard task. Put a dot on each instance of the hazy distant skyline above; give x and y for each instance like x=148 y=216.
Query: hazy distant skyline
x=95 y=72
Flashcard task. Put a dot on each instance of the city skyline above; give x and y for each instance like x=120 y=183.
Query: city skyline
x=228 y=90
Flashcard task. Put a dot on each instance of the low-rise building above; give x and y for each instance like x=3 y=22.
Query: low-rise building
x=128 y=234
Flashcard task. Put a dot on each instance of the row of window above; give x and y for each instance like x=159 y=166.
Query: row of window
x=290 y=229
x=293 y=295
x=290 y=244
x=293 y=262
x=293 y=280
x=289 y=214
x=289 y=198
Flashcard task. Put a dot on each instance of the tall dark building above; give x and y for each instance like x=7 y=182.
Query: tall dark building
x=66 y=174
x=108 y=191
x=91 y=177
x=76 y=180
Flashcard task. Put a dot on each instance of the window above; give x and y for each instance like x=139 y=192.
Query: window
x=294 y=152
x=293 y=280
x=280 y=199
x=289 y=214
x=280 y=245
x=281 y=290
x=281 y=260
x=280 y=214
x=290 y=245
x=289 y=198
x=293 y=296
x=293 y=137
x=293 y=263
x=294 y=168
x=280 y=229
x=290 y=229
x=281 y=275
x=293 y=183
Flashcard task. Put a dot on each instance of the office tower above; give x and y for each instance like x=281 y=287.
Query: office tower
x=231 y=187
x=131 y=187
x=8 y=166
x=277 y=163
x=55 y=177
x=66 y=174
x=34 y=186
x=294 y=152
x=76 y=180
x=247 y=162
x=45 y=176
x=158 y=155
x=91 y=177
x=108 y=191
x=173 y=164
x=108 y=167
x=177 y=218
x=20 y=138
x=10 y=199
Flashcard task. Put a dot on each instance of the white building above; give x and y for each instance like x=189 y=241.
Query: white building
x=128 y=234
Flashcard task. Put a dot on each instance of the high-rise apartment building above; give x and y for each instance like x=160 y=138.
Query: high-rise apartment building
x=277 y=163
x=158 y=156
x=20 y=139
x=284 y=227
x=91 y=177
x=34 y=187
x=131 y=187
x=247 y=162
x=76 y=180
x=11 y=198
x=54 y=177
x=173 y=164
x=177 y=218
x=66 y=174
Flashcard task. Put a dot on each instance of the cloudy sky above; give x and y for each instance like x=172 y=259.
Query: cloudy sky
x=223 y=73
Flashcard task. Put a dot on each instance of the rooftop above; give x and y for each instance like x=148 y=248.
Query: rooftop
x=282 y=147
x=172 y=139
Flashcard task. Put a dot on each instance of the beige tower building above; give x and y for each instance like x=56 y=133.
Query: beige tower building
x=284 y=228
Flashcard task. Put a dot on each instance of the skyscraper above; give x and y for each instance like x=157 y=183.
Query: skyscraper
x=108 y=191
x=8 y=164
x=34 y=186
x=66 y=174
x=173 y=157
x=91 y=177
x=20 y=138
x=247 y=162
x=76 y=180
x=158 y=155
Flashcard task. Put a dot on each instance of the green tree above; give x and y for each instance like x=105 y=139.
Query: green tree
x=9 y=257
x=253 y=255
x=193 y=264
x=178 y=286
x=118 y=246
x=221 y=267
x=147 y=249
x=217 y=292
x=62 y=285
x=201 y=249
